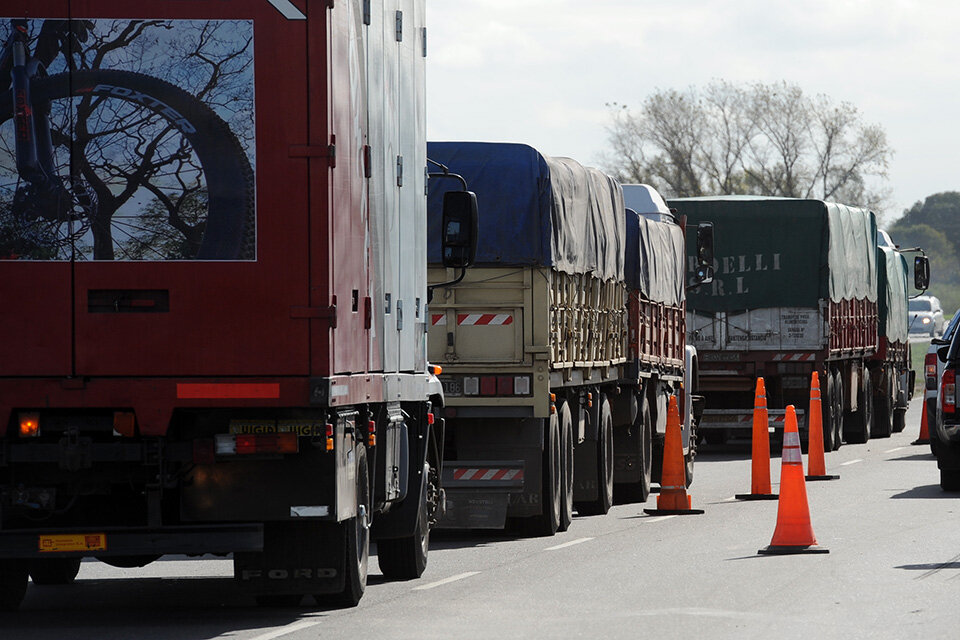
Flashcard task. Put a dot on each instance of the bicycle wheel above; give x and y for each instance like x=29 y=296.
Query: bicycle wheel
x=148 y=172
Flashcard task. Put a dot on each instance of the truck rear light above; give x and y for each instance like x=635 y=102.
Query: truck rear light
x=488 y=385
x=948 y=391
x=504 y=385
x=329 y=428
x=124 y=423
x=435 y=369
x=930 y=370
x=29 y=424
x=247 y=444
x=521 y=385
x=471 y=386
x=372 y=431
x=204 y=451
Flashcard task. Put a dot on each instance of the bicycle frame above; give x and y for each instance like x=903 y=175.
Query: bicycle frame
x=34 y=144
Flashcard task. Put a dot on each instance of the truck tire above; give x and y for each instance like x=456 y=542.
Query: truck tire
x=566 y=466
x=51 y=571
x=604 y=498
x=857 y=424
x=838 y=410
x=406 y=558
x=548 y=522
x=828 y=409
x=357 y=541
x=639 y=491
x=13 y=584
x=883 y=412
x=950 y=479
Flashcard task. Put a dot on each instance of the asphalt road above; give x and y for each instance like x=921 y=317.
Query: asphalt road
x=892 y=572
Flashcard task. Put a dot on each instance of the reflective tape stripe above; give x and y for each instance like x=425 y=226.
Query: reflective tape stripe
x=438 y=319
x=483 y=319
x=791 y=455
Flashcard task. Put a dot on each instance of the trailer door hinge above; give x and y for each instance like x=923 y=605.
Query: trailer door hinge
x=316 y=313
x=366 y=12
x=316 y=151
x=399 y=26
x=399 y=171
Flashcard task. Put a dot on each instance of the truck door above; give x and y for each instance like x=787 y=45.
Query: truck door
x=188 y=155
x=35 y=244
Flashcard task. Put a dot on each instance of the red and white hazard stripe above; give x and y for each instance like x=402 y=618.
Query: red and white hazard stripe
x=472 y=319
x=487 y=474
x=468 y=319
x=794 y=357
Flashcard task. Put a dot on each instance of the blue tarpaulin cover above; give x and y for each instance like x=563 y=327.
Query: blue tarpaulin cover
x=534 y=209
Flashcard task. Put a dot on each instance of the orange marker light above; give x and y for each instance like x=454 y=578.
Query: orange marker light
x=29 y=425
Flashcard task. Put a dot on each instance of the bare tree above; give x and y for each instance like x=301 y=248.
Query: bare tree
x=764 y=139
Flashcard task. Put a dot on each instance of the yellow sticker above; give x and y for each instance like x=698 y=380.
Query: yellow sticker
x=73 y=542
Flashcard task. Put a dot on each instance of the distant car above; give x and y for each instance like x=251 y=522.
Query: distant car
x=926 y=315
x=933 y=369
x=945 y=430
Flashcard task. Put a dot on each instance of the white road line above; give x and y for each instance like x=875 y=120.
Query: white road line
x=659 y=518
x=568 y=544
x=854 y=461
x=438 y=583
x=895 y=449
x=287 y=630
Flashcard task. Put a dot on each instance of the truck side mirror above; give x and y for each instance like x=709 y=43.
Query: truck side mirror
x=921 y=272
x=459 y=229
x=704 y=273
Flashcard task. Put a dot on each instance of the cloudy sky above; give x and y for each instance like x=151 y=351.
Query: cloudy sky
x=541 y=71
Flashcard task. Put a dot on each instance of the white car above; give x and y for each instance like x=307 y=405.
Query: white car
x=925 y=315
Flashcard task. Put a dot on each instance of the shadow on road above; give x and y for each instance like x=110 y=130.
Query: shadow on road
x=917 y=456
x=144 y=608
x=926 y=492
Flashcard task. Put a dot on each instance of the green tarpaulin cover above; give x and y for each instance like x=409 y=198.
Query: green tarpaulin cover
x=782 y=252
x=893 y=292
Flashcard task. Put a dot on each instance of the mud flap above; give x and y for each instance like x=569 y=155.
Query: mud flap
x=478 y=493
x=297 y=558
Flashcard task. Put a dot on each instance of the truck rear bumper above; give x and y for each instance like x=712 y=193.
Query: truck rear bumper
x=742 y=419
x=478 y=493
x=101 y=542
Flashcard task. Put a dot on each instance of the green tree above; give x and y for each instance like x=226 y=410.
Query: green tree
x=944 y=274
x=940 y=211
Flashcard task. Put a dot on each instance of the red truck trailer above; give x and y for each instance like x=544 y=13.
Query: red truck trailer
x=213 y=220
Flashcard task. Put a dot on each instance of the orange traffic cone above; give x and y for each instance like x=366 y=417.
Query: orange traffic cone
x=673 y=498
x=760 y=463
x=924 y=427
x=816 y=465
x=793 y=534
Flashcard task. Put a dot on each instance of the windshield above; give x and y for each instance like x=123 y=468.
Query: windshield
x=919 y=305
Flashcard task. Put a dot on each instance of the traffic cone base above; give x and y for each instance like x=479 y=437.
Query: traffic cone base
x=814 y=478
x=924 y=427
x=757 y=496
x=784 y=550
x=673 y=499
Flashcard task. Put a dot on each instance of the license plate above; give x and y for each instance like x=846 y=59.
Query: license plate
x=73 y=542
x=452 y=387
